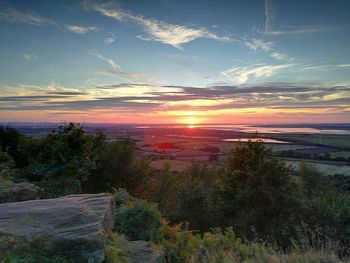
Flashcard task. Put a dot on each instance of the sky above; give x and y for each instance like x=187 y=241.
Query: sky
x=175 y=61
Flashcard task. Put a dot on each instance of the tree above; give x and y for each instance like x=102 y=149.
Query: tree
x=257 y=194
x=12 y=142
x=61 y=160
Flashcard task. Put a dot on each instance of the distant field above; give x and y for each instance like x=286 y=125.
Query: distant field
x=341 y=154
x=325 y=168
x=328 y=140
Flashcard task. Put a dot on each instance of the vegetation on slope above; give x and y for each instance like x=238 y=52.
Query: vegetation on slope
x=249 y=210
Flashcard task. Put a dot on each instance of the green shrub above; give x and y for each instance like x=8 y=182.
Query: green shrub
x=136 y=218
x=216 y=246
x=114 y=249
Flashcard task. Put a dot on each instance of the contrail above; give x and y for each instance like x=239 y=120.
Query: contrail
x=270 y=15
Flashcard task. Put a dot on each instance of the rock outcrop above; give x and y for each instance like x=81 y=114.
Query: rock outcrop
x=16 y=192
x=76 y=225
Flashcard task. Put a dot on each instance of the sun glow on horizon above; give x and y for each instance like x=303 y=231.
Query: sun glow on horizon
x=191 y=121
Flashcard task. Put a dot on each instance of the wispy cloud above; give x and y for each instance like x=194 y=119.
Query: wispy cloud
x=256 y=44
x=109 y=61
x=130 y=76
x=278 y=55
x=270 y=15
x=80 y=29
x=296 y=30
x=160 y=31
x=265 y=46
x=324 y=67
x=13 y=16
x=273 y=30
x=257 y=71
x=109 y=39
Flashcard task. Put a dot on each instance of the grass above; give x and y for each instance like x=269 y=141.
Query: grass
x=211 y=250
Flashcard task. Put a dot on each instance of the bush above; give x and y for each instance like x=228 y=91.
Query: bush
x=114 y=249
x=214 y=246
x=18 y=250
x=136 y=218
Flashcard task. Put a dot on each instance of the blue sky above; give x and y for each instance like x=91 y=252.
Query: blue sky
x=167 y=60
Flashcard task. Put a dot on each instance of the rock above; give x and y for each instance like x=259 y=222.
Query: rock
x=141 y=251
x=74 y=225
x=16 y=192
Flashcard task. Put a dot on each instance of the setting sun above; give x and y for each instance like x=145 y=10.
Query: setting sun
x=192 y=120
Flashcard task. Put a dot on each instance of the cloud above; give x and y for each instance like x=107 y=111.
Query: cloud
x=175 y=35
x=324 y=67
x=109 y=61
x=66 y=93
x=109 y=39
x=80 y=29
x=143 y=98
x=30 y=56
x=14 y=16
x=266 y=46
x=296 y=30
x=160 y=31
x=270 y=28
x=278 y=56
x=270 y=15
x=257 y=71
x=131 y=76
x=32 y=98
x=258 y=44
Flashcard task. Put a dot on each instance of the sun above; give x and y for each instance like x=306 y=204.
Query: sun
x=191 y=121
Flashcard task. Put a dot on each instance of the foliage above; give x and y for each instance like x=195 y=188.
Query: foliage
x=169 y=185
x=60 y=161
x=18 y=250
x=114 y=249
x=273 y=211
x=311 y=179
x=11 y=141
x=197 y=206
x=69 y=161
x=8 y=172
x=222 y=247
x=327 y=209
x=7 y=167
x=341 y=183
x=136 y=218
x=257 y=194
x=215 y=246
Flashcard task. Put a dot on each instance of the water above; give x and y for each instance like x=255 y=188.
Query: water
x=264 y=140
x=254 y=129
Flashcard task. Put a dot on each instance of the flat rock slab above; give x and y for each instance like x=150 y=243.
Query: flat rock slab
x=74 y=225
